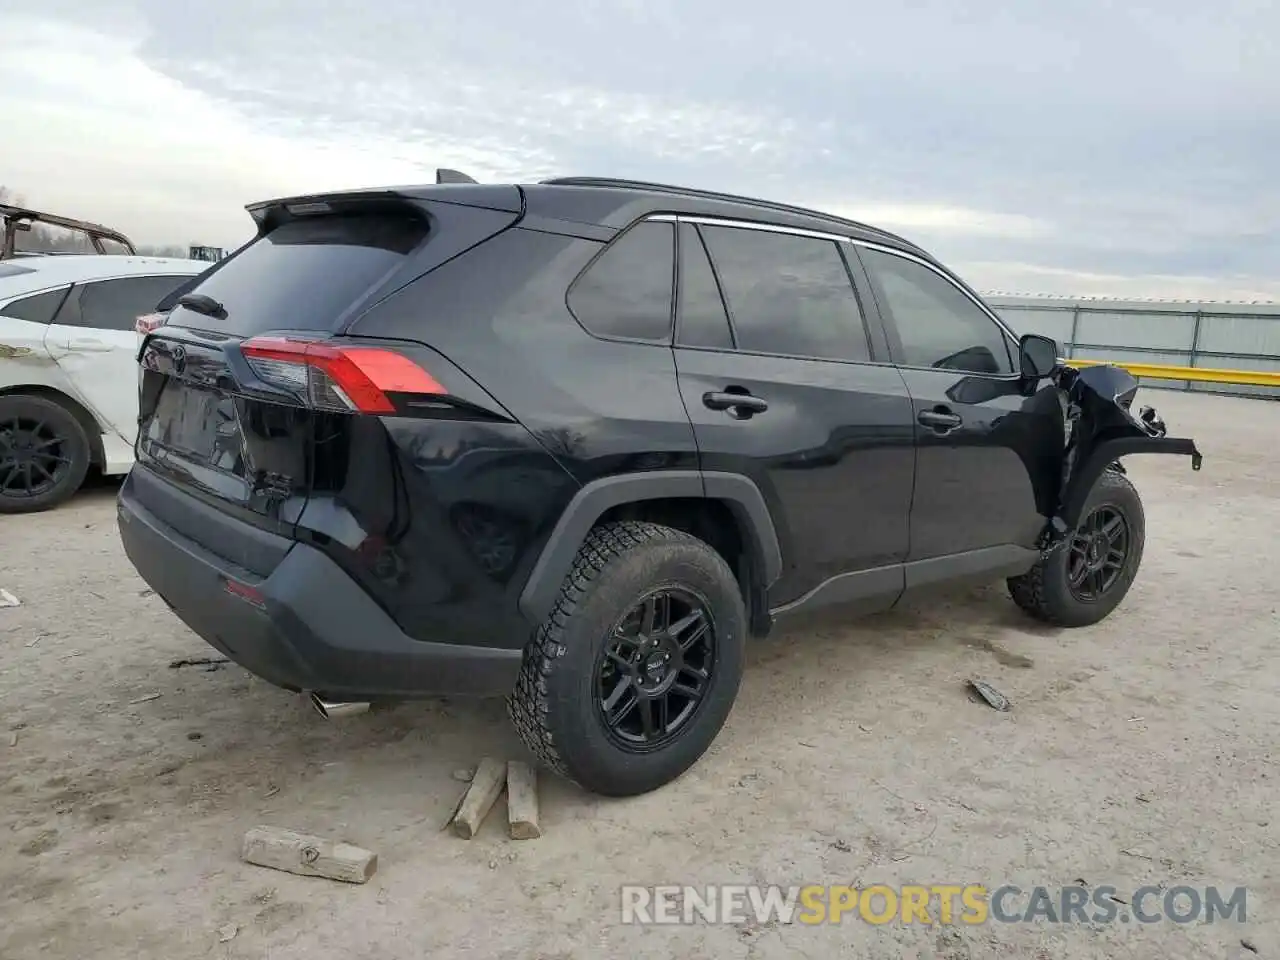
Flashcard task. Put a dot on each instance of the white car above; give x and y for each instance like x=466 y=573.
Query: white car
x=68 y=371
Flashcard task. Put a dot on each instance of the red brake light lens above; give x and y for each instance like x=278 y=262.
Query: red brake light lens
x=336 y=376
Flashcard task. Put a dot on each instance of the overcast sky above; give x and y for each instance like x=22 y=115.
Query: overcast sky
x=1084 y=146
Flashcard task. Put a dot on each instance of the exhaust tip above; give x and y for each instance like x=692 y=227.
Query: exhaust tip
x=337 y=709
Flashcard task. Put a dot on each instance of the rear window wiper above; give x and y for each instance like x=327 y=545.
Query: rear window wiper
x=202 y=303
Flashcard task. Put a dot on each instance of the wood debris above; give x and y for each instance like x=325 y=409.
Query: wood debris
x=487 y=783
x=480 y=797
x=522 y=801
x=307 y=855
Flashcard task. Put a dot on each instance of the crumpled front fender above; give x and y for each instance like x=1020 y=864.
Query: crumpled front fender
x=1103 y=455
x=1106 y=431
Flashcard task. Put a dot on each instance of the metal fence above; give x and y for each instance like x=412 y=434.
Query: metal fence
x=1236 y=336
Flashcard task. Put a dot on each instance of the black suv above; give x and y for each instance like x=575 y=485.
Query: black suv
x=571 y=442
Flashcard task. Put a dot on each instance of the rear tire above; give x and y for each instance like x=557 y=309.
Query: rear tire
x=1086 y=578
x=44 y=454
x=592 y=652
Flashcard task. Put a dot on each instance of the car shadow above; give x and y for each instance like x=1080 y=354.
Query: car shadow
x=99 y=486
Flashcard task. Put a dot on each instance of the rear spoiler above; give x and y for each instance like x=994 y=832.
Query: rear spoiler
x=451 y=186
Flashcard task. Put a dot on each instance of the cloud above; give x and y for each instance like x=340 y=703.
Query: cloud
x=1085 y=145
x=98 y=133
x=941 y=219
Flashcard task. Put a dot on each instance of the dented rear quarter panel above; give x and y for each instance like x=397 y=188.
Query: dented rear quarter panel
x=24 y=360
x=27 y=366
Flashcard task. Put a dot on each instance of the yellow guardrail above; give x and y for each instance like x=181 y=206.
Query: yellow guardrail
x=1160 y=371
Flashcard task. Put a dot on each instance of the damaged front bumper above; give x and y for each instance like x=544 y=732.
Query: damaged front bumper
x=1103 y=429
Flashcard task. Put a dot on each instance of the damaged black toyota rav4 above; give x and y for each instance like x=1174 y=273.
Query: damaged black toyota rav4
x=572 y=442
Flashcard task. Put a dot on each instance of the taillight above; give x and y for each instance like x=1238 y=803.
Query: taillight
x=336 y=376
x=148 y=322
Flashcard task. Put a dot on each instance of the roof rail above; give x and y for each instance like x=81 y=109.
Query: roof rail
x=445 y=175
x=727 y=197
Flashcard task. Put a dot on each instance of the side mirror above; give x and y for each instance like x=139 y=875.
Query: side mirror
x=1037 y=356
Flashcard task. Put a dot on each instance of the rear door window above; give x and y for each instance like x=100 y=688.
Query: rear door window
x=117 y=304
x=305 y=274
x=788 y=295
x=626 y=292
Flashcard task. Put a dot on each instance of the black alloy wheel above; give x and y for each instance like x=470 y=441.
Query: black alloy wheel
x=1085 y=579
x=34 y=457
x=44 y=453
x=634 y=671
x=656 y=669
x=1097 y=554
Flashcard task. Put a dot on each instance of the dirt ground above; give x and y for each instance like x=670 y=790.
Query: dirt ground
x=1141 y=751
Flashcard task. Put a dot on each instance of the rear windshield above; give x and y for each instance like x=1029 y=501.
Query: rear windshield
x=306 y=274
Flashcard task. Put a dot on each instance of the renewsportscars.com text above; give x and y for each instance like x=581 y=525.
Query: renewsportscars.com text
x=942 y=904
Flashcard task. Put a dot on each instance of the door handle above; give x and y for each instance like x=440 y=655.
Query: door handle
x=940 y=419
x=740 y=405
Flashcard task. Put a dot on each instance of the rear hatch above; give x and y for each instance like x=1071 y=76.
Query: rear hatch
x=250 y=368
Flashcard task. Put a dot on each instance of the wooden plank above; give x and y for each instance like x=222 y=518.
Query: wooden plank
x=448 y=823
x=522 y=801
x=308 y=856
x=480 y=797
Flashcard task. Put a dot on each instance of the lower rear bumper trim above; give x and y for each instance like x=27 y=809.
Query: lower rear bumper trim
x=316 y=629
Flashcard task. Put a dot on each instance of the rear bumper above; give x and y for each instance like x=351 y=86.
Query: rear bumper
x=306 y=626
x=117 y=454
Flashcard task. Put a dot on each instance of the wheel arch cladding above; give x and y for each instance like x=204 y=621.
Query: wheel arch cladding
x=1100 y=457
x=596 y=498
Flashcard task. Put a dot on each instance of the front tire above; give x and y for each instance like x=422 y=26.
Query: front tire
x=635 y=671
x=44 y=454
x=1087 y=577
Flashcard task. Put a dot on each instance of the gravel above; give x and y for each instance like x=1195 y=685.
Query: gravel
x=1140 y=751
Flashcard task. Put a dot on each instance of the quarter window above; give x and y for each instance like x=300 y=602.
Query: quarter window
x=37 y=308
x=627 y=291
x=938 y=325
x=788 y=295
